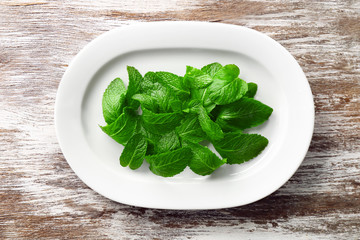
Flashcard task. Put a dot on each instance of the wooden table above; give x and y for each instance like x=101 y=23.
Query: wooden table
x=41 y=197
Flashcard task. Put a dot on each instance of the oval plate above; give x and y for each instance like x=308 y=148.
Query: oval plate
x=170 y=46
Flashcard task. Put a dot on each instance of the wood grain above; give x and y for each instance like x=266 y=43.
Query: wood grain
x=40 y=196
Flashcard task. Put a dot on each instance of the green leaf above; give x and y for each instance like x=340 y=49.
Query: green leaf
x=190 y=129
x=197 y=78
x=192 y=106
x=151 y=138
x=113 y=100
x=240 y=147
x=159 y=98
x=178 y=113
x=148 y=82
x=227 y=87
x=147 y=101
x=141 y=128
x=176 y=105
x=160 y=143
x=225 y=92
x=227 y=73
x=242 y=114
x=122 y=129
x=204 y=161
x=211 y=128
x=135 y=80
x=167 y=142
x=203 y=96
x=252 y=89
x=134 y=87
x=134 y=152
x=170 y=163
x=211 y=69
x=174 y=82
x=161 y=122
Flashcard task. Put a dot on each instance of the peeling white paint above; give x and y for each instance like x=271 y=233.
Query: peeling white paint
x=135 y=6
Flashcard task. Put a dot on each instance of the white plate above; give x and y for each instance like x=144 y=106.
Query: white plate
x=170 y=46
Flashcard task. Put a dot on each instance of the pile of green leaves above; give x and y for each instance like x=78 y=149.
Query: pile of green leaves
x=178 y=113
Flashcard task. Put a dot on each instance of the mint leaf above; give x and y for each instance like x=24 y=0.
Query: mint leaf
x=147 y=102
x=151 y=138
x=159 y=98
x=245 y=113
x=211 y=69
x=167 y=142
x=175 y=105
x=134 y=87
x=203 y=96
x=191 y=106
x=204 y=161
x=174 y=82
x=197 y=78
x=134 y=152
x=113 y=100
x=179 y=112
x=190 y=129
x=211 y=128
x=141 y=128
x=170 y=163
x=227 y=73
x=240 y=147
x=225 y=92
x=122 y=129
x=227 y=87
x=161 y=122
x=148 y=82
x=252 y=89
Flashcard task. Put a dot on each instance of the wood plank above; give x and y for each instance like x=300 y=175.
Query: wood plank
x=41 y=197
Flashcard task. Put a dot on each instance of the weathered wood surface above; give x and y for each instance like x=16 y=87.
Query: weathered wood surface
x=41 y=197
